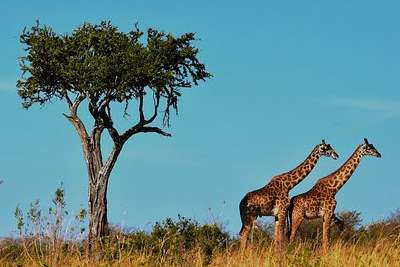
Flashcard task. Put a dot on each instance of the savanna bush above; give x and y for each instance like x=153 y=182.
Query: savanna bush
x=169 y=239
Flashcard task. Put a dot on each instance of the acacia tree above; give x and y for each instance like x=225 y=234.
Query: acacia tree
x=96 y=66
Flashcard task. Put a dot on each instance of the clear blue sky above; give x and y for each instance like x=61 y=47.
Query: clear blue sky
x=286 y=75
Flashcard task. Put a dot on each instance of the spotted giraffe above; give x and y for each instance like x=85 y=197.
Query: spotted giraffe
x=320 y=200
x=273 y=198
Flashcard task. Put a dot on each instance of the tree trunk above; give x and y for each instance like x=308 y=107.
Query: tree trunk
x=98 y=224
x=98 y=184
x=98 y=172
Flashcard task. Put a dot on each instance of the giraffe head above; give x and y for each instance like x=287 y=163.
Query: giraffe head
x=369 y=149
x=327 y=150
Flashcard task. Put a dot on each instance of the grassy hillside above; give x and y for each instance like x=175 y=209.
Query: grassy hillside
x=384 y=252
x=49 y=239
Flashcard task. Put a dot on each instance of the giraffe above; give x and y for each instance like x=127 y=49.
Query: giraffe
x=320 y=200
x=273 y=198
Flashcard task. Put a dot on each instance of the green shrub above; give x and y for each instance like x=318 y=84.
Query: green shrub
x=169 y=239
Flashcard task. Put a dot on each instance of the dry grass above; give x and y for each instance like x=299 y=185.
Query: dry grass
x=382 y=253
x=185 y=242
x=385 y=252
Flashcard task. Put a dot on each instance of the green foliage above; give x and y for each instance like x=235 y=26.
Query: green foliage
x=388 y=228
x=105 y=65
x=352 y=225
x=58 y=199
x=312 y=229
x=20 y=219
x=43 y=234
x=262 y=233
x=10 y=249
x=171 y=238
x=53 y=226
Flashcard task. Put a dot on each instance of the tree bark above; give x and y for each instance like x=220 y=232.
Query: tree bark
x=98 y=185
x=98 y=224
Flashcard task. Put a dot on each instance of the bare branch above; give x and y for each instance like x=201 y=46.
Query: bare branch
x=112 y=158
x=108 y=111
x=114 y=134
x=68 y=98
x=96 y=142
x=109 y=125
x=83 y=135
x=76 y=104
x=154 y=130
x=142 y=118
x=106 y=100
x=131 y=131
x=156 y=100
x=75 y=120
x=141 y=125
x=102 y=115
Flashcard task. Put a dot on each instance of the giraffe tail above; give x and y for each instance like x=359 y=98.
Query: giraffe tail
x=289 y=218
x=242 y=213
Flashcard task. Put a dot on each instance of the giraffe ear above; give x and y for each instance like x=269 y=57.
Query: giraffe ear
x=366 y=141
x=323 y=141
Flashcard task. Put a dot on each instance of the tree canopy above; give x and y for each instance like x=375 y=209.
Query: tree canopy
x=103 y=65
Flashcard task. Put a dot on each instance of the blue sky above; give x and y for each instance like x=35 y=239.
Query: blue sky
x=286 y=75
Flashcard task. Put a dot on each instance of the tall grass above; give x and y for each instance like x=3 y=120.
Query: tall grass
x=52 y=240
x=384 y=252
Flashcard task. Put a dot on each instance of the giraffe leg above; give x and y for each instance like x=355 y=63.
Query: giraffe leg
x=326 y=230
x=247 y=225
x=297 y=218
x=279 y=231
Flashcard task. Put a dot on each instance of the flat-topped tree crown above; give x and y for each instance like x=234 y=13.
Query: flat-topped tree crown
x=102 y=65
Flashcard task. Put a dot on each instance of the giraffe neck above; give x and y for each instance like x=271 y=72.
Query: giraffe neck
x=300 y=172
x=343 y=174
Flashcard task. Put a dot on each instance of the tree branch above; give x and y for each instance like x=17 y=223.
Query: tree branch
x=142 y=118
x=112 y=158
x=156 y=100
x=83 y=135
x=106 y=100
x=68 y=98
x=131 y=131
x=96 y=143
x=141 y=129
x=154 y=130
x=114 y=134
x=76 y=104
x=141 y=125
x=75 y=120
x=109 y=124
